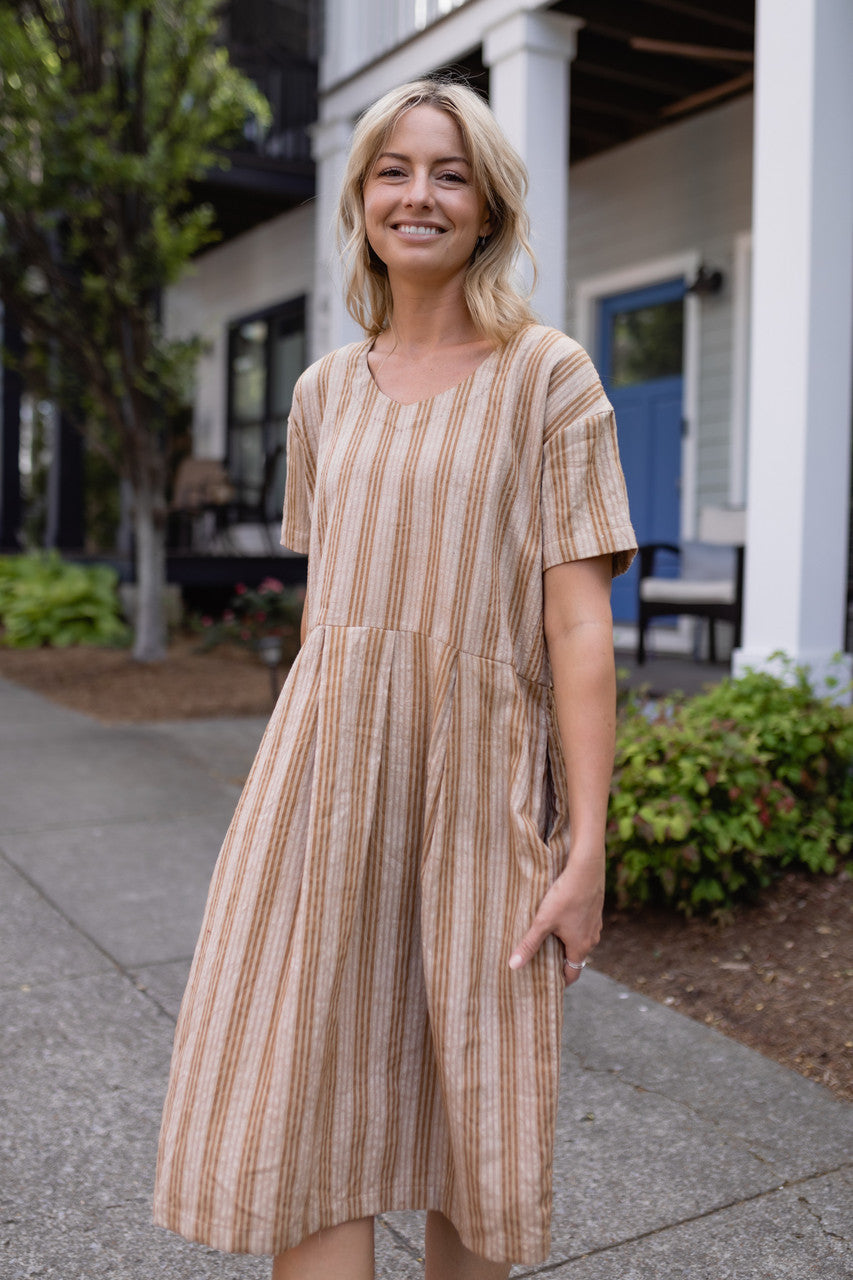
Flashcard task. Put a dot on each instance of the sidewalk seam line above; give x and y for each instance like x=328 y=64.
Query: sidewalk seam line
x=72 y=924
x=696 y=1217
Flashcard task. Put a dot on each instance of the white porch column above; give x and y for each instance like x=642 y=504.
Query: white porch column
x=331 y=325
x=802 y=332
x=528 y=56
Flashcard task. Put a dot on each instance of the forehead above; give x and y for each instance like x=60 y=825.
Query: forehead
x=426 y=127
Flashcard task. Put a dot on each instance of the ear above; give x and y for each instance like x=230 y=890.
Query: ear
x=487 y=226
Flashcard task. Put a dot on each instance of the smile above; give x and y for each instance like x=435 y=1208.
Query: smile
x=410 y=229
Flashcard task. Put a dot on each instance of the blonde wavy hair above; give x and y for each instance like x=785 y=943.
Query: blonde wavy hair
x=496 y=304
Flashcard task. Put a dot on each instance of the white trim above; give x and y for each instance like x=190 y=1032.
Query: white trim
x=739 y=413
x=690 y=433
x=591 y=288
x=589 y=292
x=346 y=87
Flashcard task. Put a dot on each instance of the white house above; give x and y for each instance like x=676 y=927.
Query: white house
x=692 y=202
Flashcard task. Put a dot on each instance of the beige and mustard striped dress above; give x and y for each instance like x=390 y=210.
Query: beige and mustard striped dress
x=352 y=1039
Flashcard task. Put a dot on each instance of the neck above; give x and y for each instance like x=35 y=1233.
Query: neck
x=424 y=318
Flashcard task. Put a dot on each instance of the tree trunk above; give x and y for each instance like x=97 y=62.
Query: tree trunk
x=149 y=642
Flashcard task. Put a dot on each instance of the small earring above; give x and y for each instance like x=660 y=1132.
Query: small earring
x=482 y=241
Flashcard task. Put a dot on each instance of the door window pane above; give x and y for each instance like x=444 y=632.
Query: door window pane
x=247 y=466
x=267 y=355
x=647 y=343
x=288 y=360
x=249 y=371
x=275 y=494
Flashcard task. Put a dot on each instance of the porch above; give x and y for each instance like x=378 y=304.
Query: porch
x=665 y=673
x=763 y=416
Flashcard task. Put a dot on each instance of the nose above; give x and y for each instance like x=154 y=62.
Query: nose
x=418 y=193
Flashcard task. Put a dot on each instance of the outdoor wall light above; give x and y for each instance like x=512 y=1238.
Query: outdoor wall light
x=707 y=283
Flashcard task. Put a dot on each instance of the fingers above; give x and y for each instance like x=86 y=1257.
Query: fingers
x=571 y=972
x=529 y=945
x=574 y=919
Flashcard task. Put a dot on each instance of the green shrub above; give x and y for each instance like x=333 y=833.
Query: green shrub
x=46 y=601
x=715 y=795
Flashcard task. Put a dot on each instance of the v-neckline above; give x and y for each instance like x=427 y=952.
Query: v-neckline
x=414 y=404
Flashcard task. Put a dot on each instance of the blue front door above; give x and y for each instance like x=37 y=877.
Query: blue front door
x=640 y=345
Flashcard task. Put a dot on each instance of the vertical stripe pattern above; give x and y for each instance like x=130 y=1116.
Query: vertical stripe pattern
x=351 y=1039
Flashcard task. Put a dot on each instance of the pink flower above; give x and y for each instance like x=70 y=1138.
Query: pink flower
x=228 y=615
x=260 y=616
x=206 y=622
x=240 y=589
x=271 y=584
x=245 y=634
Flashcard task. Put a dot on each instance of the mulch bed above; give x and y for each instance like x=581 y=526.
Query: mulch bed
x=778 y=976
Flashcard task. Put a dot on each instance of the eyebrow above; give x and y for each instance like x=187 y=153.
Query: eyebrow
x=396 y=155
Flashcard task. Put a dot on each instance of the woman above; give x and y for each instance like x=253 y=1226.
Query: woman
x=372 y=1020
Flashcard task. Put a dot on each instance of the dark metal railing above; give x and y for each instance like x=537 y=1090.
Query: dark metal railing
x=290 y=85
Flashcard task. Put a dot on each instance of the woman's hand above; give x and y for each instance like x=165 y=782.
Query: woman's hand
x=571 y=909
x=579 y=636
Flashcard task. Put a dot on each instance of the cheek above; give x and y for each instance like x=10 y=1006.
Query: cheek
x=377 y=208
x=373 y=222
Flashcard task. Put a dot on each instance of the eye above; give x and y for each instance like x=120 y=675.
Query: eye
x=392 y=171
x=451 y=176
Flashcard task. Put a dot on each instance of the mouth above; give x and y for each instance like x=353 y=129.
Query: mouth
x=417 y=229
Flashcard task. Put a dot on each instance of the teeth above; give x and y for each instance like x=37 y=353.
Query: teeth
x=419 y=231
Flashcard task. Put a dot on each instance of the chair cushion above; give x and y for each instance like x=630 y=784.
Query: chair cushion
x=680 y=590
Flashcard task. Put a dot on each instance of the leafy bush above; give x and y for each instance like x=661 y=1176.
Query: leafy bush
x=46 y=601
x=713 y=796
x=258 y=613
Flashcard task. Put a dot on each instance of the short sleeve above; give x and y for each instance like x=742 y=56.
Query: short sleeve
x=584 y=499
x=299 y=482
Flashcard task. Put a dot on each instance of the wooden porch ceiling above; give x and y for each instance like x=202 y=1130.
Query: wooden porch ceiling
x=624 y=86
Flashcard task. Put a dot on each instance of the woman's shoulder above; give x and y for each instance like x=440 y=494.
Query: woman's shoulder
x=558 y=360
x=565 y=374
x=326 y=376
x=554 y=346
x=318 y=374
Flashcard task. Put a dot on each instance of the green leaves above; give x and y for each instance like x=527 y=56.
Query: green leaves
x=108 y=112
x=713 y=796
x=46 y=601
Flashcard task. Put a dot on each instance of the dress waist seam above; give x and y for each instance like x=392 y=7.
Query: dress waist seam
x=413 y=631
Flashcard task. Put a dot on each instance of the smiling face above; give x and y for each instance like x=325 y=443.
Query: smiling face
x=422 y=213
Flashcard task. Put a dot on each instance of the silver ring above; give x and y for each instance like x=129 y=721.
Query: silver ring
x=575 y=965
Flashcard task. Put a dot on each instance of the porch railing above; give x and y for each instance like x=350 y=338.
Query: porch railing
x=356 y=34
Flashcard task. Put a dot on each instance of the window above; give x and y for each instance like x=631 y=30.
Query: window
x=266 y=354
x=647 y=342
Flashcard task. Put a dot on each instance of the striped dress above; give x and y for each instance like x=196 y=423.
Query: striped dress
x=352 y=1039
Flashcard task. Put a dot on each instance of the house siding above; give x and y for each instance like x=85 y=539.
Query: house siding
x=266 y=266
x=684 y=189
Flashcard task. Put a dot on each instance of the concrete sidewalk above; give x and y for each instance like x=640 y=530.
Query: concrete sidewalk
x=679 y=1154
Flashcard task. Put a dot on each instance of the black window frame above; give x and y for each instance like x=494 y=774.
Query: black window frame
x=252 y=491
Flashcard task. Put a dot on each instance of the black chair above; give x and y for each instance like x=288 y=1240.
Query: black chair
x=710 y=581
x=201 y=496
x=251 y=502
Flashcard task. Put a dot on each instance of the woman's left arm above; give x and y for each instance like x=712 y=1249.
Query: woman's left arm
x=579 y=636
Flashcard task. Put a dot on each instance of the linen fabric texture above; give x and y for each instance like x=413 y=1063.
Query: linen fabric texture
x=352 y=1040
